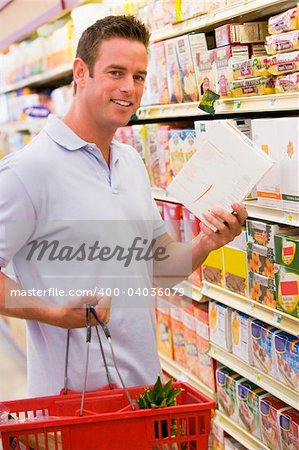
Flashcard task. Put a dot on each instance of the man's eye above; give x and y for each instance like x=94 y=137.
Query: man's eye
x=140 y=78
x=115 y=73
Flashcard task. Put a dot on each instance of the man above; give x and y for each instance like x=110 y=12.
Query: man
x=73 y=185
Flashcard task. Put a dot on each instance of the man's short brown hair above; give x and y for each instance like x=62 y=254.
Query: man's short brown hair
x=128 y=27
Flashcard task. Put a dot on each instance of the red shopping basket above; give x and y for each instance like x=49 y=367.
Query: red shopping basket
x=108 y=422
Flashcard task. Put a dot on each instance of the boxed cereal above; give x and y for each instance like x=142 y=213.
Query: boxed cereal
x=249 y=396
x=286 y=349
x=189 y=335
x=241 y=336
x=191 y=225
x=176 y=150
x=206 y=370
x=287 y=250
x=164 y=334
x=185 y=62
x=254 y=67
x=262 y=346
x=201 y=317
x=226 y=380
x=164 y=155
x=270 y=407
x=189 y=143
x=173 y=220
x=289 y=429
x=177 y=327
x=204 y=65
x=225 y=57
x=212 y=268
x=140 y=143
x=220 y=325
x=287 y=290
x=175 y=89
x=235 y=270
x=262 y=289
x=152 y=81
x=240 y=33
x=260 y=259
x=152 y=140
x=159 y=56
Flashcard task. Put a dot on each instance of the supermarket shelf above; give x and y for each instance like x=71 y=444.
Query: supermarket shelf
x=61 y=71
x=272 y=214
x=32 y=125
x=274 y=102
x=191 y=291
x=286 y=394
x=180 y=373
x=239 y=433
x=254 y=309
x=244 y=11
x=163 y=194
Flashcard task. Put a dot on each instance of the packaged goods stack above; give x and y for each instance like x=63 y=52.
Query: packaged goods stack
x=231 y=328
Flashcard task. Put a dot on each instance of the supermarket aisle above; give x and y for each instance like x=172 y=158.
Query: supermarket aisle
x=13 y=382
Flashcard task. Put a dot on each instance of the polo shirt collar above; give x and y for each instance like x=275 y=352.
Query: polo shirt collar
x=60 y=133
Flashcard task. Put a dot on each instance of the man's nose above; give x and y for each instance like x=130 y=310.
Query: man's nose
x=127 y=84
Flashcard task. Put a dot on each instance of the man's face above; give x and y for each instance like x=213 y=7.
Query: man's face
x=114 y=91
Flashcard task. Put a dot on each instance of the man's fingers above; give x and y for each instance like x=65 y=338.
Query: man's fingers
x=103 y=308
x=240 y=212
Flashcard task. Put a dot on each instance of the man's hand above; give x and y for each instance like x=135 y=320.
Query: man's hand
x=229 y=225
x=73 y=314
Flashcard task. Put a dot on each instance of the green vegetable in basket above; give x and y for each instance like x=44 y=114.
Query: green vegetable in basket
x=159 y=396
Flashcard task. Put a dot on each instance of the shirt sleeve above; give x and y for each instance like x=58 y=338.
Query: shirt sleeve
x=17 y=215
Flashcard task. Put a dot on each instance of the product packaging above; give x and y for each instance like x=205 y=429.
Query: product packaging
x=227 y=380
x=280 y=43
x=225 y=57
x=238 y=33
x=159 y=56
x=260 y=259
x=189 y=142
x=173 y=72
x=164 y=333
x=286 y=21
x=270 y=407
x=205 y=70
x=190 y=9
x=212 y=268
x=253 y=86
x=262 y=345
x=262 y=289
x=289 y=429
x=287 y=250
x=154 y=165
x=241 y=336
x=262 y=232
x=164 y=155
x=185 y=62
x=173 y=220
x=189 y=335
x=235 y=270
x=160 y=205
x=287 y=83
x=220 y=325
x=286 y=349
x=249 y=396
x=284 y=63
x=287 y=290
x=177 y=327
x=254 y=67
x=176 y=149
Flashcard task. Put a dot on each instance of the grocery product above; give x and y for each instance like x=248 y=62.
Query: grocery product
x=249 y=396
x=226 y=380
x=225 y=57
x=262 y=289
x=280 y=43
x=190 y=9
x=177 y=327
x=241 y=33
x=164 y=155
x=176 y=149
x=205 y=70
x=253 y=86
x=284 y=63
x=287 y=250
x=287 y=289
x=289 y=429
x=254 y=67
x=189 y=143
x=189 y=335
x=287 y=83
x=212 y=268
x=220 y=325
x=262 y=232
x=260 y=259
x=287 y=359
x=263 y=346
x=235 y=270
x=159 y=57
x=185 y=63
x=269 y=409
x=160 y=205
x=154 y=164
x=173 y=220
x=164 y=333
x=175 y=88
x=286 y=21
x=241 y=336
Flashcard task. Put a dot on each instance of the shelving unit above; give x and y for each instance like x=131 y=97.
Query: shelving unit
x=33 y=125
x=254 y=309
x=180 y=373
x=246 y=11
x=253 y=374
x=272 y=214
x=240 y=434
x=191 y=291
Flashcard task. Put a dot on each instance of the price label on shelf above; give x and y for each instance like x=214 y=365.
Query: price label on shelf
x=258 y=378
x=237 y=105
x=205 y=289
x=272 y=102
x=277 y=318
x=251 y=307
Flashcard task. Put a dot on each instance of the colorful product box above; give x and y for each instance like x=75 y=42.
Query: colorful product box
x=249 y=396
x=285 y=42
x=176 y=149
x=189 y=335
x=160 y=205
x=140 y=143
x=227 y=380
x=191 y=225
x=287 y=290
x=233 y=33
x=235 y=270
x=241 y=336
x=177 y=327
x=206 y=370
x=289 y=429
x=254 y=67
x=253 y=86
x=151 y=96
x=205 y=70
x=287 y=83
x=159 y=56
x=220 y=325
x=173 y=220
x=175 y=89
x=164 y=333
x=284 y=63
x=164 y=155
x=260 y=260
x=225 y=57
x=270 y=407
x=125 y=136
x=152 y=141
x=262 y=232
x=189 y=142
x=212 y=268
x=185 y=62
x=286 y=21
x=262 y=346
x=226 y=34
x=262 y=289
x=201 y=317
x=287 y=359
x=287 y=250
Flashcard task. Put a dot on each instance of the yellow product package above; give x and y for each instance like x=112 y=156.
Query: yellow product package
x=286 y=21
x=287 y=83
x=285 y=42
x=286 y=63
x=252 y=86
x=254 y=67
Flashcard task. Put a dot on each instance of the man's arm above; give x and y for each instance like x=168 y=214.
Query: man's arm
x=183 y=258
x=71 y=315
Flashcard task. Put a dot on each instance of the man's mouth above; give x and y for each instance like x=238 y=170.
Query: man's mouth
x=122 y=102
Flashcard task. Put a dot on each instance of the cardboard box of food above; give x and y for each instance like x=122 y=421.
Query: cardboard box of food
x=205 y=70
x=287 y=359
x=164 y=155
x=287 y=289
x=262 y=232
x=235 y=270
x=262 y=346
x=176 y=149
x=190 y=335
x=269 y=409
x=185 y=62
x=287 y=250
x=262 y=289
x=177 y=327
x=173 y=220
x=249 y=396
x=241 y=336
x=289 y=429
x=225 y=57
x=164 y=333
x=226 y=380
x=220 y=325
x=260 y=259
x=175 y=89
x=212 y=268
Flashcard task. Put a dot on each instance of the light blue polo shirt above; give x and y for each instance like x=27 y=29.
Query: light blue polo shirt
x=59 y=189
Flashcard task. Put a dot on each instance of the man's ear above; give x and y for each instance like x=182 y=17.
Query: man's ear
x=80 y=72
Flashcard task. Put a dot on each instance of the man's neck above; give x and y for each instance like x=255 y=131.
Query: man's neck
x=89 y=132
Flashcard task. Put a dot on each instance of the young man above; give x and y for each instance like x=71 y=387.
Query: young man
x=74 y=192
